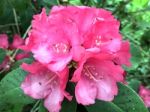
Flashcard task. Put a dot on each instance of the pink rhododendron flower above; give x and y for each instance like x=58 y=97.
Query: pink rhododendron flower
x=53 y=40
x=97 y=77
x=22 y=55
x=17 y=41
x=3 y=41
x=98 y=30
x=42 y=83
x=122 y=57
x=5 y=64
x=87 y=36
x=93 y=26
x=145 y=95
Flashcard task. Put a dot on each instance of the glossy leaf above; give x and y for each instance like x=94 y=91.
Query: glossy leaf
x=2 y=55
x=11 y=96
x=127 y=100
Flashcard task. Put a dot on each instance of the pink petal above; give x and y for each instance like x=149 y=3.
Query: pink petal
x=145 y=95
x=35 y=85
x=78 y=52
x=85 y=91
x=17 y=41
x=35 y=67
x=22 y=55
x=60 y=64
x=123 y=55
x=54 y=99
x=3 y=41
x=107 y=89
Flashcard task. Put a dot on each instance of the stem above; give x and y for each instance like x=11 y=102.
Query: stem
x=24 y=36
x=58 y=2
x=16 y=21
x=8 y=25
x=34 y=109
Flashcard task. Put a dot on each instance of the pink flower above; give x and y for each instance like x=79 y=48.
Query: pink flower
x=17 y=41
x=145 y=95
x=88 y=36
x=22 y=55
x=5 y=64
x=97 y=27
x=53 y=40
x=122 y=57
x=3 y=41
x=42 y=83
x=96 y=78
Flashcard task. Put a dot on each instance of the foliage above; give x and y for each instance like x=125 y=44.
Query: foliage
x=134 y=16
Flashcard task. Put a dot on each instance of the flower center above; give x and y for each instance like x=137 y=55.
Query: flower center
x=90 y=71
x=61 y=48
x=98 y=41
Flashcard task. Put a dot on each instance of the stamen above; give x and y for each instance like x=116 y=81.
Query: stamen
x=50 y=80
x=61 y=48
x=89 y=73
x=98 y=41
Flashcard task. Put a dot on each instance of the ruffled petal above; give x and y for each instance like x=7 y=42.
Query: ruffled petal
x=107 y=89
x=85 y=91
x=54 y=99
x=35 y=85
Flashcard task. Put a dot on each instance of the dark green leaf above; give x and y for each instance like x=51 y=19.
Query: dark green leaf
x=126 y=101
x=102 y=106
x=2 y=55
x=11 y=96
x=19 y=62
x=68 y=106
x=42 y=108
x=134 y=84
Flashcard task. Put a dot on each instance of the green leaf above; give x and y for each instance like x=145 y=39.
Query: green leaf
x=19 y=62
x=75 y=2
x=42 y=108
x=127 y=100
x=2 y=55
x=134 y=84
x=11 y=96
x=135 y=57
x=51 y=2
x=68 y=106
x=102 y=106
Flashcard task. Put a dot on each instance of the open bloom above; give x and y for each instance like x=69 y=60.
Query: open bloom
x=88 y=36
x=98 y=31
x=96 y=78
x=53 y=40
x=145 y=95
x=42 y=83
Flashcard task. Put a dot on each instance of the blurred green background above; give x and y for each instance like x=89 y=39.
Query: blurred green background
x=134 y=16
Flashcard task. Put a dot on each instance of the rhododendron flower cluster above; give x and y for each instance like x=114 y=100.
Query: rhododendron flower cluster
x=84 y=38
x=6 y=45
x=145 y=95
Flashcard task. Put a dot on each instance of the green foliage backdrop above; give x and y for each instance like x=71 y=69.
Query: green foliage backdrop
x=134 y=15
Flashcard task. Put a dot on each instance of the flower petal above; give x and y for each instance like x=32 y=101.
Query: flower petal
x=54 y=99
x=85 y=91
